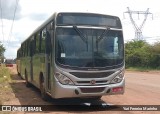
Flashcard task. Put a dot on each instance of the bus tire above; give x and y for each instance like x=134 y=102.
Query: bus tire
x=44 y=95
x=26 y=78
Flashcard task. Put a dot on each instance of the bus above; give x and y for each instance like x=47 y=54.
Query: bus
x=74 y=55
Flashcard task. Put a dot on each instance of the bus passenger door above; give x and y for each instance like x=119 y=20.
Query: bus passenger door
x=48 y=61
x=31 y=58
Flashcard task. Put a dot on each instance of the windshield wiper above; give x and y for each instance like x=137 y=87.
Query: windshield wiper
x=102 y=35
x=80 y=34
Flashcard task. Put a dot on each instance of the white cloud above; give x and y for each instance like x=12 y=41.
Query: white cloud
x=8 y=9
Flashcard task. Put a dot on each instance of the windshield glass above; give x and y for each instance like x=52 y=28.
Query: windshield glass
x=84 y=47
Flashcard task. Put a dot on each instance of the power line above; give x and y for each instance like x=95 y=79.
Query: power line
x=10 y=33
x=138 y=29
x=2 y=20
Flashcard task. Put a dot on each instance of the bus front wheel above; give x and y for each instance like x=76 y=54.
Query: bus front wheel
x=26 y=78
x=44 y=95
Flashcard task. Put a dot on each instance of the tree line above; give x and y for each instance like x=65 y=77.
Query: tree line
x=142 y=54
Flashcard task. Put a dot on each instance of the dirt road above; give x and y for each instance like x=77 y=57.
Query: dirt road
x=142 y=88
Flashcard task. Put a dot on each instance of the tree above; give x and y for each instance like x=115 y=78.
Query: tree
x=2 y=50
x=137 y=53
x=155 y=61
x=142 y=54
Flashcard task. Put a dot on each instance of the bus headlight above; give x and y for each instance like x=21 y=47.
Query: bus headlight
x=118 y=78
x=63 y=79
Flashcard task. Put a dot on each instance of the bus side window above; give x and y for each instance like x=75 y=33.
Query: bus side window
x=25 y=49
x=37 y=40
x=48 y=43
x=22 y=49
x=40 y=42
x=43 y=38
x=29 y=47
x=52 y=25
x=48 y=38
x=32 y=46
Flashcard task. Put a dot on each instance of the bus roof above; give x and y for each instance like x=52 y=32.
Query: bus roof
x=52 y=17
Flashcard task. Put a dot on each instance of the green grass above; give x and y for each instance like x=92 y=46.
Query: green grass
x=142 y=69
x=5 y=87
x=4 y=74
x=5 y=79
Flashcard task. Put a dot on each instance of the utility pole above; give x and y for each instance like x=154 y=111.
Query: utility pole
x=138 y=29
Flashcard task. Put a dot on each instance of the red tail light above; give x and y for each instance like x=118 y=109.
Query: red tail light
x=9 y=65
x=117 y=89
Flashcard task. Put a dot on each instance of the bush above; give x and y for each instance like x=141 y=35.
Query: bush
x=142 y=54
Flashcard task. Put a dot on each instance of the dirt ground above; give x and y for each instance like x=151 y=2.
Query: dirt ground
x=142 y=88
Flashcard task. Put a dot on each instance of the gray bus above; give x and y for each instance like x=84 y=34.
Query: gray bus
x=74 y=55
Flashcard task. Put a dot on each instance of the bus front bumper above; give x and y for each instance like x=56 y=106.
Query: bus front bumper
x=71 y=91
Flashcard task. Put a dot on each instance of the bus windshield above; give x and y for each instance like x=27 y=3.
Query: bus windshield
x=88 y=47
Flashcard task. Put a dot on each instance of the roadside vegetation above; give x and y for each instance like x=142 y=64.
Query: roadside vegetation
x=5 y=79
x=4 y=74
x=142 y=56
x=2 y=50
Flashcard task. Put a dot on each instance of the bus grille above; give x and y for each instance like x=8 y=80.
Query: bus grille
x=92 y=75
x=88 y=83
x=92 y=90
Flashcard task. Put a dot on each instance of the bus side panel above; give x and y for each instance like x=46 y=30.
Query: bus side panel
x=22 y=64
x=42 y=64
x=37 y=68
x=25 y=66
x=28 y=67
x=18 y=66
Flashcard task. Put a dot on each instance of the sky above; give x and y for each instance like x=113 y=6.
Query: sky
x=32 y=13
